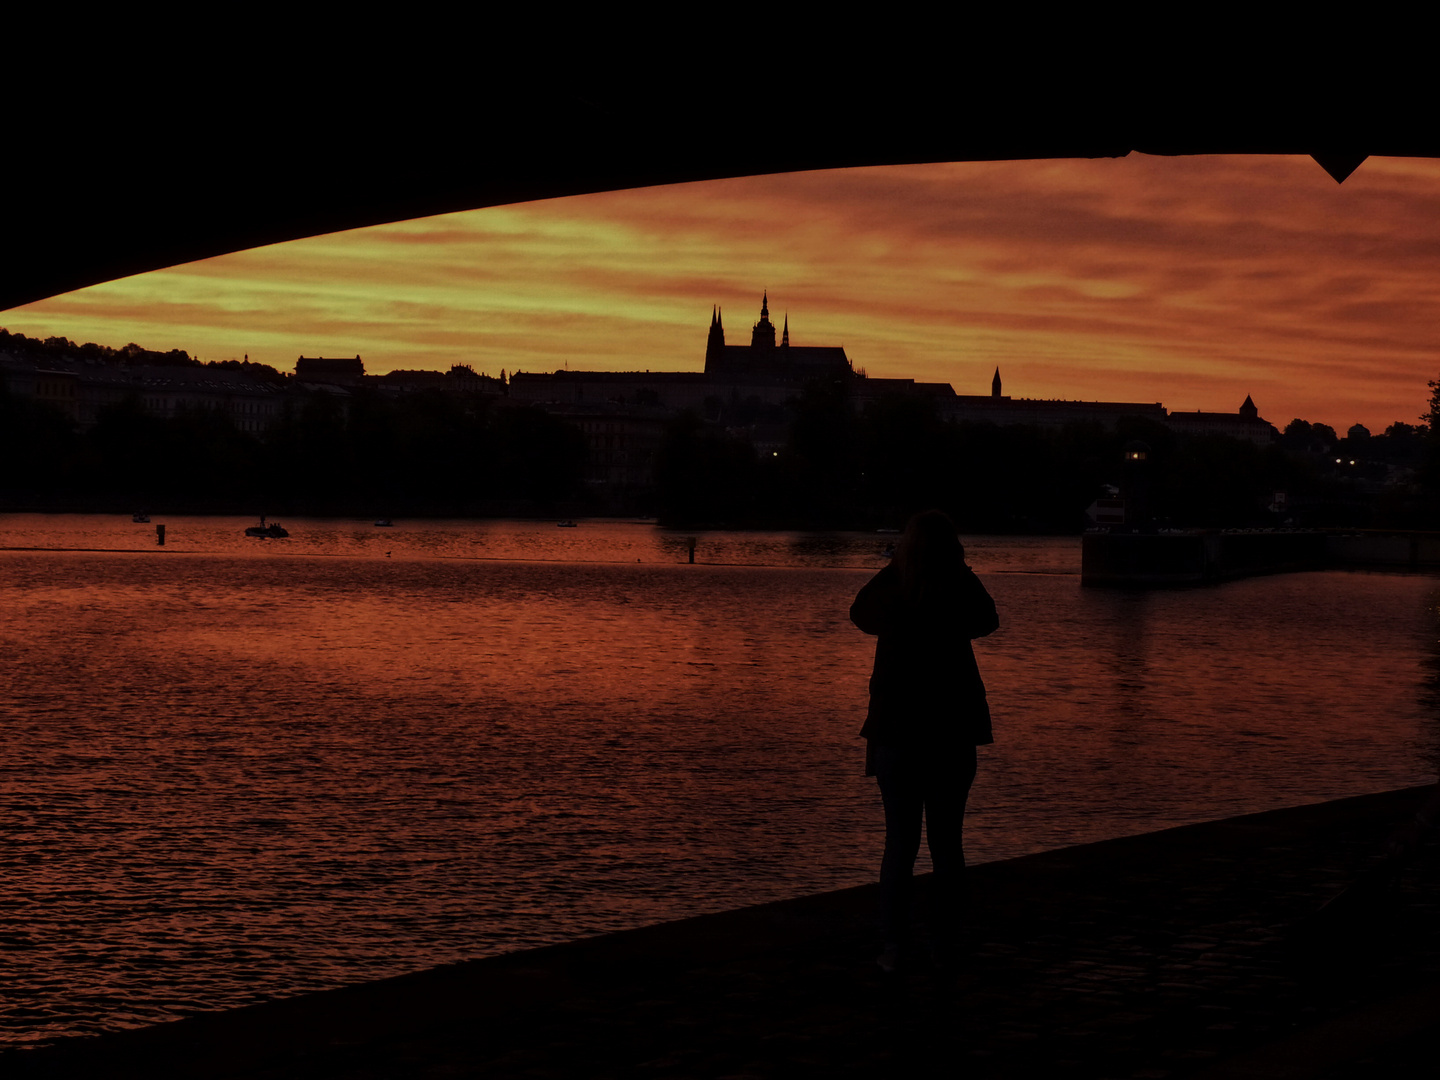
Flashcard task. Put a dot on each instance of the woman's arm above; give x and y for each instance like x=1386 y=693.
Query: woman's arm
x=980 y=616
x=875 y=607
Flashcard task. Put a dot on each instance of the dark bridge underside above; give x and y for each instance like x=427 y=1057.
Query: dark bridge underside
x=138 y=179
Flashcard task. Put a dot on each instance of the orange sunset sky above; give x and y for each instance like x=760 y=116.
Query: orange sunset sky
x=1189 y=281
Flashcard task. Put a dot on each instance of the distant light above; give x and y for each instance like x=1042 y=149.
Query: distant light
x=1352 y=462
x=1338 y=461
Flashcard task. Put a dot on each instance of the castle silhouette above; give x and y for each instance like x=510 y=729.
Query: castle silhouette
x=745 y=388
x=765 y=359
x=767 y=372
x=623 y=414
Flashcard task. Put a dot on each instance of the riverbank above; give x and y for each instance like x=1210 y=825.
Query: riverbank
x=1208 y=556
x=1195 y=951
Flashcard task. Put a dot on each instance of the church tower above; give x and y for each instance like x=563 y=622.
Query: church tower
x=995 y=384
x=715 y=347
x=1248 y=409
x=763 y=336
x=785 y=337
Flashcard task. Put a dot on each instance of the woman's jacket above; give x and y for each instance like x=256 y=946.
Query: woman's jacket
x=925 y=691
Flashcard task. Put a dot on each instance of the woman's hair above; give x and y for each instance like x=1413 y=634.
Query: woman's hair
x=929 y=556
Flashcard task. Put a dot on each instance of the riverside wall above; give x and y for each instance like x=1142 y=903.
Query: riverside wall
x=1197 y=557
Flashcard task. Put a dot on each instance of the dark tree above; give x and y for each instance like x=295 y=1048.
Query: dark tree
x=706 y=477
x=540 y=458
x=824 y=455
x=37 y=444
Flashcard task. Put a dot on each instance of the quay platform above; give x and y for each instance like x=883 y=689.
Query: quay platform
x=1200 y=556
x=1279 y=944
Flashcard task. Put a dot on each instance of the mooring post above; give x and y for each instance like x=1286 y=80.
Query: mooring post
x=690 y=543
x=160 y=535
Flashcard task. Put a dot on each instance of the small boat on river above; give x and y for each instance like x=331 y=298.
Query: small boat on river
x=565 y=524
x=140 y=519
x=273 y=531
x=384 y=523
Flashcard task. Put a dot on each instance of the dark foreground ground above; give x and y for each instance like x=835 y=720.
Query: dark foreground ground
x=1198 y=951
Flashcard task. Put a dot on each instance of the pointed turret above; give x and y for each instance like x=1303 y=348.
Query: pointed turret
x=715 y=346
x=995 y=384
x=785 y=337
x=1248 y=409
x=763 y=336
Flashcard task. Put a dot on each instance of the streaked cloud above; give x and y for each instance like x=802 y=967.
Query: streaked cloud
x=1191 y=281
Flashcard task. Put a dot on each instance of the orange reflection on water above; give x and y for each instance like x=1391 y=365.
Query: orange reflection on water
x=252 y=774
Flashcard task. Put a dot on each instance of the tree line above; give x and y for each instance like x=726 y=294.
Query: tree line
x=425 y=453
x=841 y=467
x=432 y=453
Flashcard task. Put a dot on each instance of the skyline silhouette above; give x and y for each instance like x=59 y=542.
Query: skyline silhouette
x=1186 y=279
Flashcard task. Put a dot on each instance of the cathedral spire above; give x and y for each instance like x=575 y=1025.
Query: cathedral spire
x=763 y=336
x=995 y=384
x=715 y=344
x=785 y=338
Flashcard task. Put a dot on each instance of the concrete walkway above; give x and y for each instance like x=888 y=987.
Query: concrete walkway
x=1194 y=952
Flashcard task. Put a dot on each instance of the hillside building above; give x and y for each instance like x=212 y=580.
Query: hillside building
x=1243 y=424
x=331 y=371
x=1002 y=410
x=81 y=387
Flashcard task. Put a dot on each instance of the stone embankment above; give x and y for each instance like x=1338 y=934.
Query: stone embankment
x=1214 y=950
x=1201 y=556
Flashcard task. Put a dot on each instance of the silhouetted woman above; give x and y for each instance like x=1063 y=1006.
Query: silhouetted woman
x=927 y=714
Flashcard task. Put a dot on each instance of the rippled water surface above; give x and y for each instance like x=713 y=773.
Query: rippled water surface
x=588 y=541
x=237 y=769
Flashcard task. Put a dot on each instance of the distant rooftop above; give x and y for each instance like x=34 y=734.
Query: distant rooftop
x=314 y=366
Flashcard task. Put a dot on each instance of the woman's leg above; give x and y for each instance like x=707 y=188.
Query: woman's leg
x=947 y=783
x=903 y=796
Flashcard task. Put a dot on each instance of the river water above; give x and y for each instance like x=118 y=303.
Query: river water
x=237 y=769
